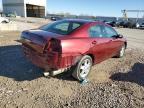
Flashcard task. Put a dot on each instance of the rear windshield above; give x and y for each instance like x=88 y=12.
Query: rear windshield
x=62 y=27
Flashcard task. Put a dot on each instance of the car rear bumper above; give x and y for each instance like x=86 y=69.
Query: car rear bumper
x=45 y=61
x=51 y=61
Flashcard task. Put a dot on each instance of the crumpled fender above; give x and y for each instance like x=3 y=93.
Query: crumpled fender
x=69 y=59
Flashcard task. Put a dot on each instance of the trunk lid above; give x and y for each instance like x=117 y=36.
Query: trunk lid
x=37 y=39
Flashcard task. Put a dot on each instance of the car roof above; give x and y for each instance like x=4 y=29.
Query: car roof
x=80 y=20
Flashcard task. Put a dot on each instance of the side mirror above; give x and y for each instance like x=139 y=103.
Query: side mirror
x=117 y=36
x=120 y=36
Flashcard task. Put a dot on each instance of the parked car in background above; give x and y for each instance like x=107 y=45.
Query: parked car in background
x=137 y=25
x=126 y=24
x=130 y=24
x=4 y=20
x=54 y=18
x=111 y=23
x=72 y=44
x=120 y=23
x=141 y=25
x=13 y=15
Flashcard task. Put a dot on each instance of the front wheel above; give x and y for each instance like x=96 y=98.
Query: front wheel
x=121 y=52
x=83 y=68
x=4 y=22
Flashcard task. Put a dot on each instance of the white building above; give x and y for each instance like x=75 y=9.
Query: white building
x=1 y=8
x=25 y=8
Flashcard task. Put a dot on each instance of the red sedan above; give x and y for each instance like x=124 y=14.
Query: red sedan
x=65 y=44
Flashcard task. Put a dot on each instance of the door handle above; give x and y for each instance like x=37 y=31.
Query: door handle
x=94 y=42
x=111 y=40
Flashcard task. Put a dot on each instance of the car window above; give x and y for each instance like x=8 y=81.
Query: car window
x=95 y=31
x=75 y=25
x=62 y=27
x=108 y=32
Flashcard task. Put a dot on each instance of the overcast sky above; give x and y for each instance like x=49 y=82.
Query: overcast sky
x=94 y=7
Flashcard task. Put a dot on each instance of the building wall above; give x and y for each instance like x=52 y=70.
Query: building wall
x=36 y=2
x=33 y=2
x=19 y=10
x=14 y=6
x=1 y=7
x=12 y=1
x=19 y=6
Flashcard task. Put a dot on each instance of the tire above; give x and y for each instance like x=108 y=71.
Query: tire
x=121 y=52
x=83 y=68
x=3 y=22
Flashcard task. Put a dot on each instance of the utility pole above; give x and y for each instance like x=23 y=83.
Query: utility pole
x=125 y=15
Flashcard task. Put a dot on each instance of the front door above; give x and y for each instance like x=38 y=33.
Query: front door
x=114 y=44
x=98 y=44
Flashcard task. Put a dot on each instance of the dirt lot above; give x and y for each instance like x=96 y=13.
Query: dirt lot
x=115 y=83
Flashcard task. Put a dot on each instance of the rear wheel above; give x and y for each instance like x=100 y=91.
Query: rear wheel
x=121 y=52
x=83 y=68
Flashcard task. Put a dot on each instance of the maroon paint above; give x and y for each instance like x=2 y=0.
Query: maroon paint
x=51 y=51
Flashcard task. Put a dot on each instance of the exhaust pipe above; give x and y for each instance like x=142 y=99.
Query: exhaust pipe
x=46 y=74
x=53 y=73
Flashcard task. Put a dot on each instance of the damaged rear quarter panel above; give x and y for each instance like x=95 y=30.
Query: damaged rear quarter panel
x=73 y=49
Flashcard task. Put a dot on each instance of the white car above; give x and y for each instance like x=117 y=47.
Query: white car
x=137 y=25
x=4 y=20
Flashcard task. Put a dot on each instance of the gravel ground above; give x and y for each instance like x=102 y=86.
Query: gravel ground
x=114 y=83
x=135 y=37
x=28 y=23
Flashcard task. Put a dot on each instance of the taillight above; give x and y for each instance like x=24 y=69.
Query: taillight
x=54 y=45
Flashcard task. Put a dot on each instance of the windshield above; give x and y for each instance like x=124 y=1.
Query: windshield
x=62 y=27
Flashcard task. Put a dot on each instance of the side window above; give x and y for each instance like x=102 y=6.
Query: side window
x=63 y=27
x=95 y=31
x=75 y=26
x=108 y=32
